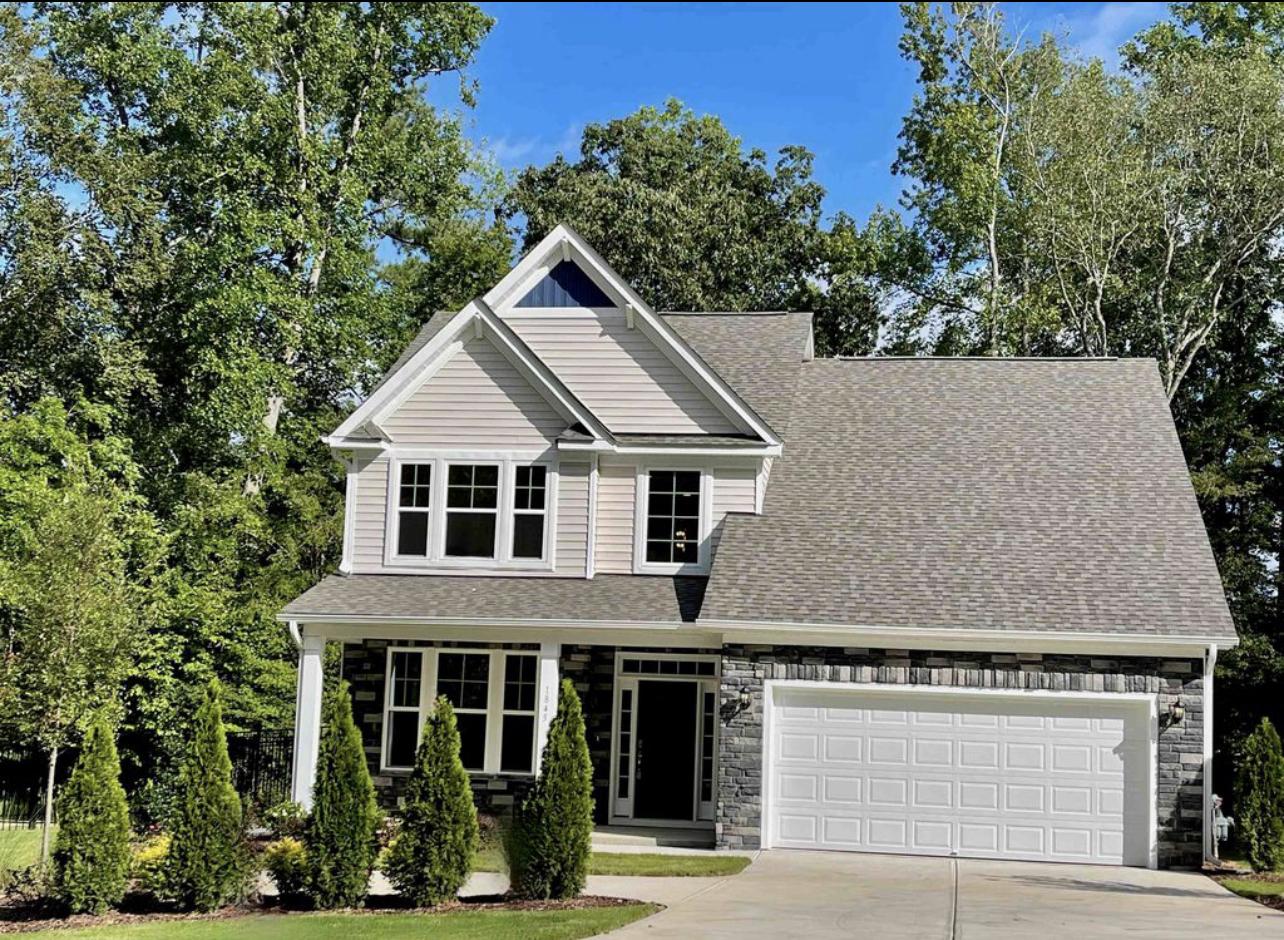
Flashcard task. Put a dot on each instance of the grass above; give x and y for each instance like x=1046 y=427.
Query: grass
x=566 y=924
x=1254 y=888
x=19 y=848
x=491 y=858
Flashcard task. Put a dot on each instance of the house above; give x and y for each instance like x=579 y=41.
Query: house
x=942 y=606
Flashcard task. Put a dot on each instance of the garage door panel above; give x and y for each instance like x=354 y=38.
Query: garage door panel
x=961 y=777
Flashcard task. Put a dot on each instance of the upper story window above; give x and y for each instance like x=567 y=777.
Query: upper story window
x=449 y=513
x=472 y=510
x=673 y=517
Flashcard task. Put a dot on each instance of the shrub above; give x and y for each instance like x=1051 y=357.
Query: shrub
x=91 y=854
x=342 y=828
x=431 y=857
x=286 y=861
x=1260 y=809
x=549 y=842
x=207 y=864
x=147 y=865
x=286 y=819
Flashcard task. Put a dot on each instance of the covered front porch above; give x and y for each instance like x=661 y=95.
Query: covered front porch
x=652 y=721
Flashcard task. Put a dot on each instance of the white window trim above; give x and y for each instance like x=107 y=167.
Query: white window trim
x=642 y=489
x=494 y=710
x=437 y=561
x=503 y=474
x=532 y=712
x=514 y=512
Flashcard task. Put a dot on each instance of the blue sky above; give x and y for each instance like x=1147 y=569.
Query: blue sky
x=826 y=76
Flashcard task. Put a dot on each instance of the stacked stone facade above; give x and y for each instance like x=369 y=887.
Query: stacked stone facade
x=1180 y=771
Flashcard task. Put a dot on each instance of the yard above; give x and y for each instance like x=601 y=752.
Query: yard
x=552 y=924
x=491 y=858
x=19 y=848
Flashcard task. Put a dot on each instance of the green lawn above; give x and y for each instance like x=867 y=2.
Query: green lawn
x=456 y=925
x=19 y=848
x=1250 y=887
x=491 y=858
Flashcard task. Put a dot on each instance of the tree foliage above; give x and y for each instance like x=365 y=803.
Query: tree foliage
x=1261 y=798
x=91 y=857
x=549 y=843
x=341 y=829
x=432 y=855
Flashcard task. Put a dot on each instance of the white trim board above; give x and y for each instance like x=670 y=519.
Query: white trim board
x=1140 y=700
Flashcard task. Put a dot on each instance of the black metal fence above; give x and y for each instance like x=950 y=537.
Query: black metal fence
x=261 y=762
x=23 y=775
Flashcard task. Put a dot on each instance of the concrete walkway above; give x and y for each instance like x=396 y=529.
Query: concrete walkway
x=827 y=894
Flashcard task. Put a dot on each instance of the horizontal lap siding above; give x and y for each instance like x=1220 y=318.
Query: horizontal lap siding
x=734 y=490
x=621 y=375
x=477 y=399
x=572 y=518
x=615 y=507
x=371 y=512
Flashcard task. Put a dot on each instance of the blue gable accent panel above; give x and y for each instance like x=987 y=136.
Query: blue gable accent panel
x=566 y=286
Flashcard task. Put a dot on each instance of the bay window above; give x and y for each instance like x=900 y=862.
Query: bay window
x=493 y=695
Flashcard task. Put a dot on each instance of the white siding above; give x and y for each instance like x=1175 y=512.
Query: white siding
x=477 y=399
x=371 y=510
x=615 y=507
x=733 y=491
x=620 y=374
x=572 y=518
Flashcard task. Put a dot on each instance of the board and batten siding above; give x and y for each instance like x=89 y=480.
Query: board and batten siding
x=620 y=374
x=616 y=486
x=572 y=518
x=370 y=516
x=476 y=399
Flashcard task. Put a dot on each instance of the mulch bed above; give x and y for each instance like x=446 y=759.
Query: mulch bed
x=18 y=918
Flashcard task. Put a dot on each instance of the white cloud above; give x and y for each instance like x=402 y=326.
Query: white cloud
x=1100 y=32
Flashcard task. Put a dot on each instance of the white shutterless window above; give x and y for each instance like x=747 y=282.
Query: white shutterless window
x=530 y=511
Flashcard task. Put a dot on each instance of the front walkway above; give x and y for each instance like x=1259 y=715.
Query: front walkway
x=827 y=894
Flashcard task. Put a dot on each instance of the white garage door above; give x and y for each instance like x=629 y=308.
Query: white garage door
x=991 y=776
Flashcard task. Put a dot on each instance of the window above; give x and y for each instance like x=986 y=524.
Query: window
x=472 y=510
x=673 y=517
x=464 y=680
x=529 y=491
x=414 y=497
x=517 y=754
x=401 y=720
x=494 y=697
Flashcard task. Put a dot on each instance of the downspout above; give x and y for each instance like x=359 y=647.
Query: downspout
x=1210 y=834
x=295 y=637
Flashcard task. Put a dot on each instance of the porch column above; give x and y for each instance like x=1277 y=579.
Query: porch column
x=546 y=701
x=1210 y=834
x=307 y=718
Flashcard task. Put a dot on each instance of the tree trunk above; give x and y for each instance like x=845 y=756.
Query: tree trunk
x=49 y=790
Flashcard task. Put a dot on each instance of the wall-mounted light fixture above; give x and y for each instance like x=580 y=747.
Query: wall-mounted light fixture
x=1176 y=713
x=742 y=703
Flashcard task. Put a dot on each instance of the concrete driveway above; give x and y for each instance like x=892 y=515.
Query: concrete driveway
x=830 y=894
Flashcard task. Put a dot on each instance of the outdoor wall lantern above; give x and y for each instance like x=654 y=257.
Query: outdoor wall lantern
x=1176 y=712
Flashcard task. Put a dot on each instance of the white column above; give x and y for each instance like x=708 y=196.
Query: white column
x=307 y=718
x=546 y=700
x=1210 y=837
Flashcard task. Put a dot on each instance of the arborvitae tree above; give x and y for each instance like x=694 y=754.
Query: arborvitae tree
x=91 y=856
x=207 y=865
x=1260 y=809
x=549 y=843
x=432 y=856
x=341 y=831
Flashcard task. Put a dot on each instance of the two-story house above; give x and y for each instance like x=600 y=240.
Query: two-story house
x=941 y=606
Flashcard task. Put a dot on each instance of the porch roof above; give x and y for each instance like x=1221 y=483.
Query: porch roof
x=608 y=598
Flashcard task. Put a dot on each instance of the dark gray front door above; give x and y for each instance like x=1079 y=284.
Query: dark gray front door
x=666 y=739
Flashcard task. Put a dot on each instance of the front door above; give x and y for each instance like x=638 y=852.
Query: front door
x=664 y=773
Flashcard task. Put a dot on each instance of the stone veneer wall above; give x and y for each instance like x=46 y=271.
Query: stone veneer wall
x=1180 y=779
x=365 y=667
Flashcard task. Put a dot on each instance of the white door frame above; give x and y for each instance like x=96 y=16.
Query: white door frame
x=1139 y=700
x=621 y=810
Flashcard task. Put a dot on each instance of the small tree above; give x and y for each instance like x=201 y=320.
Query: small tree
x=341 y=830
x=432 y=856
x=207 y=862
x=549 y=843
x=1260 y=809
x=91 y=857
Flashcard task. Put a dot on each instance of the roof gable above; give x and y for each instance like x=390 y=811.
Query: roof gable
x=565 y=285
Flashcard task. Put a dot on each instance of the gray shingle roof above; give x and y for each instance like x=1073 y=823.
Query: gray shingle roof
x=607 y=598
x=431 y=328
x=757 y=354
x=990 y=494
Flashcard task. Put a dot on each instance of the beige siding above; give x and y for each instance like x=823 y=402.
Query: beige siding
x=620 y=374
x=477 y=399
x=733 y=491
x=615 y=507
x=371 y=510
x=572 y=518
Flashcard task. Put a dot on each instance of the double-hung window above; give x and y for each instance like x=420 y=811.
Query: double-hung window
x=414 y=502
x=493 y=695
x=673 y=517
x=530 y=490
x=472 y=510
